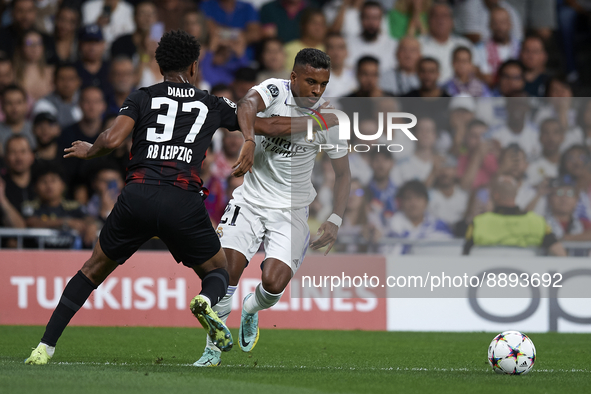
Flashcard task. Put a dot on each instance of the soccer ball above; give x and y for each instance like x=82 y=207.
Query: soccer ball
x=512 y=353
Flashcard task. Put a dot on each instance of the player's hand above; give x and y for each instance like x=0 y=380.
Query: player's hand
x=329 y=232
x=245 y=160
x=331 y=119
x=79 y=149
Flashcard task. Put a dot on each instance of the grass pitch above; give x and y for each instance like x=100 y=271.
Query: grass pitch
x=158 y=360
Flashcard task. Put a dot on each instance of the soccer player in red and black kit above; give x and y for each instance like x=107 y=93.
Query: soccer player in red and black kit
x=173 y=123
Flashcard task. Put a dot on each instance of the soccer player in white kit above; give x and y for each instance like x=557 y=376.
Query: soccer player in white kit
x=272 y=204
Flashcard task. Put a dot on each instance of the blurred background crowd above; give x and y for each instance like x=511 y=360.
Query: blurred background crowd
x=498 y=87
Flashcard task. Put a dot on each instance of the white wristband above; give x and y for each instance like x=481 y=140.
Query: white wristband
x=335 y=219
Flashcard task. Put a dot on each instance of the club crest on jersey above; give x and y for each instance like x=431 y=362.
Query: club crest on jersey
x=274 y=90
x=180 y=92
x=229 y=102
x=220 y=232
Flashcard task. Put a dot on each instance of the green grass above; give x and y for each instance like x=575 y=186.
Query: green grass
x=158 y=360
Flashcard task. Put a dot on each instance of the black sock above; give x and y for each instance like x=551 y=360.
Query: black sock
x=74 y=296
x=215 y=284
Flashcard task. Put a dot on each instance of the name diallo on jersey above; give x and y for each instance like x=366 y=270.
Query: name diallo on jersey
x=282 y=147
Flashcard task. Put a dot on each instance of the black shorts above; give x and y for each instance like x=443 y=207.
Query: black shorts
x=176 y=216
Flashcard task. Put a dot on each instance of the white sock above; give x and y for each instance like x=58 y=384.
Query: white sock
x=50 y=349
x=223 y=309
x=260 y=300
x=206 y=298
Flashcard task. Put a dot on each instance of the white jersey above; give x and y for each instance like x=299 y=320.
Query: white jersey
x=282 y=172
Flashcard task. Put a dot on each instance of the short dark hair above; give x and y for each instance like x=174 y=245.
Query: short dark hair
x=13 y=88
x=63 y=66
x=548 y=121
x=382 y=152
x=414 y=186
x=509 y=63
x=367 y=59
x=459 y=49
x=511 y=148
x=427 y=59
x=371 y=3
x=561 y=79
x=177 y=50
x=563 y=159
x=15 y=137
x=313 y=57
x=47 y=169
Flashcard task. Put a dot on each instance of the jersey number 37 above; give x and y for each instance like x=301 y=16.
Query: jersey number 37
x=169 y=119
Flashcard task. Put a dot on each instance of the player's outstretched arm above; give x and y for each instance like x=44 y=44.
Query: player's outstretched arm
x=106 y=142
x=281 y=126
x=246 y=112
x=342 y=188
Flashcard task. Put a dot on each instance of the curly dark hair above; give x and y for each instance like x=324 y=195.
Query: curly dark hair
x=176 y=51
x=313 y=57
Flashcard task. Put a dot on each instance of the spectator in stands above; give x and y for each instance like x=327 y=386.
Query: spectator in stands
x=572 y=16
x=194 y=23
x=355 y=225
x=518 y=129
x=132 y=45
x=9 y=215
x=67 y=23
x=114 y=17
x=403 y=78
x=63 y=102
x=342 y=77
x=373 y=40
x=51 y=210
x=244 y=79
x=6 y=72
x=368 y=77
x=272 y=60
x=106 y=186
x=93 y=106
x=24 y=14
x=576 y=163
x=409 y=18
x=14 y=106
x=92 y=68
x=423 y=165
x=122 y=81
x=560 y=105
x=429 y=74
x=32 y=71
x=231 y=145
x=546 y=167
x=511 y=79
x=513 y=162
x=226 y=54
x=534 y=59
x=17 y=180
x=472 y=19
x=171 y=12
x=464 y=81
x=313 y=32
x=413 y=221
x=381 y=191
x=440 y=43
x=281 y=19
x=500 y=47
x=477 y=162
x=508 y=225
x=461 y=113
x=448 y=202
x=47 y=132
x=148 y=69
x=561 y=216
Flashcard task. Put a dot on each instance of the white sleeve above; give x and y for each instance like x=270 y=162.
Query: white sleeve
x=270 y=91
x=339 y=148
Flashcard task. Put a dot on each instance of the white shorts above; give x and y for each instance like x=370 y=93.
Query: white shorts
x=285 y=232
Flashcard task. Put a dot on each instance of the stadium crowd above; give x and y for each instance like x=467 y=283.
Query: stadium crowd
x=495 y=84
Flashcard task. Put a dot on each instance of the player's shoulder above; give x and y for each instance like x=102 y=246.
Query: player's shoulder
x=273 y=88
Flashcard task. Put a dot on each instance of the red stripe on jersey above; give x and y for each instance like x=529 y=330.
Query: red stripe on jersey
x=137 y=176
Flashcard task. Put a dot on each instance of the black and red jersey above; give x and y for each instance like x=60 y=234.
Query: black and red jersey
x=174 y=125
